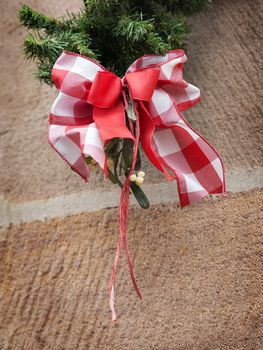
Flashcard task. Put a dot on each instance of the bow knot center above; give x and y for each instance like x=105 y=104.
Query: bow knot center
x=105 y=90
x=107 y=87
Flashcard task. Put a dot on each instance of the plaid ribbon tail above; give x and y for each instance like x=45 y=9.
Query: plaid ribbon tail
x=73 y=144
x=195 y=164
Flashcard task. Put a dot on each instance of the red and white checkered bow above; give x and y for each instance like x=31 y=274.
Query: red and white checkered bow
x=76 y=123
x=173 y=144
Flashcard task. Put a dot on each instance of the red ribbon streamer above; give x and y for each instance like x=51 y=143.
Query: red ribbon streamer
x=124 y=206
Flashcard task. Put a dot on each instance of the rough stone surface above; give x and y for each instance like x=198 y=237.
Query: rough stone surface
x=224 y=57
x=200 y=273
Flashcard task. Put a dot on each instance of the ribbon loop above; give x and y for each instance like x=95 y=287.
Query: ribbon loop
x=108 y=111
x=142 y=83
x=105 y=90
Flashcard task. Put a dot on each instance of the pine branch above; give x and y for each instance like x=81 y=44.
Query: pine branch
x=133 y=28
x=36 y=21
x=115 y=32
x=42 y=47
x=80 y=43
x=45 y=50
x=43 y=73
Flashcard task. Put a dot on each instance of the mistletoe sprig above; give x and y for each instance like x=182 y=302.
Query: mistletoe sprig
x=119 y=154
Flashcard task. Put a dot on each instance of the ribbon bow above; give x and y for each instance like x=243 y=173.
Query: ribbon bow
x=105 y=95
x=90 y=110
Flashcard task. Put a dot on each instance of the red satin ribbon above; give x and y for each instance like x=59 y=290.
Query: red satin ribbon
x=108 y=112
x=124 y=205
x=105 y=90
x=142 y=83
x=108 y=97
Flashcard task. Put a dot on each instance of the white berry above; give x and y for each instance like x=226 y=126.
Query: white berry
x=139 y=181
x=141 y=173
x=133 y=178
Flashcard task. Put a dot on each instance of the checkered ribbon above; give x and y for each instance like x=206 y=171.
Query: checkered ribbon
x=76 y=125
x=171 y=142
